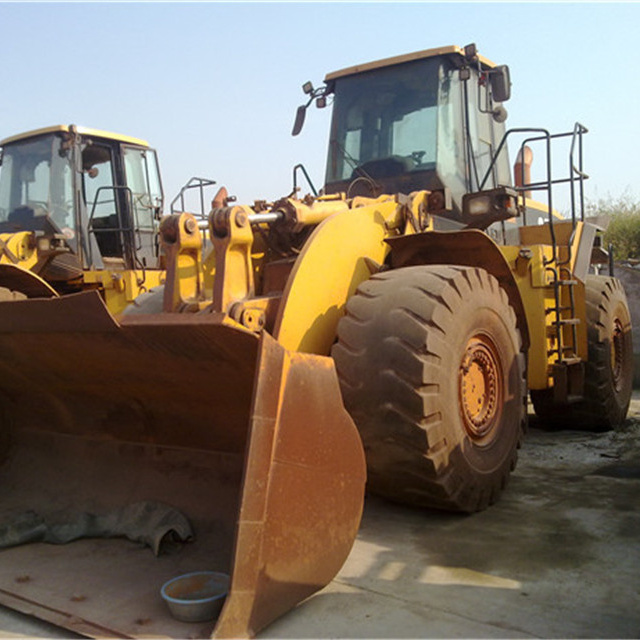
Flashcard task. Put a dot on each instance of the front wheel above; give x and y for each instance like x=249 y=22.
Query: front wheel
x=432 y=370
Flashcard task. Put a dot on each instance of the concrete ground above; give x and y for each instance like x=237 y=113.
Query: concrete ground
x=557 y=557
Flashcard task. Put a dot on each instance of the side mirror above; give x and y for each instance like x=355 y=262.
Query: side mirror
x=299 y=122
x=319 y=95
x=500 y=83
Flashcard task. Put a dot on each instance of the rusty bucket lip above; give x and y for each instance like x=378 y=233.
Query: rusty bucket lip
x=87 y=312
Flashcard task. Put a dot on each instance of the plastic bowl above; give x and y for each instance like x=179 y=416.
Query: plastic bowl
x=197 y=596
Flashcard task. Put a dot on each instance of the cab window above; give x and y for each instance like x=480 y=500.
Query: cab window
x=101 y=198
x=142 y=176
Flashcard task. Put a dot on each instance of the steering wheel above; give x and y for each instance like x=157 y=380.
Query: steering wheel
x=362 y=186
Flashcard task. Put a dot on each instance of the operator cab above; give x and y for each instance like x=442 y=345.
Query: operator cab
x=98 y=194
x=424 y=121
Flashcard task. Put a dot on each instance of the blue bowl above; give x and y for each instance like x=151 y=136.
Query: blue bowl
x=197 y=596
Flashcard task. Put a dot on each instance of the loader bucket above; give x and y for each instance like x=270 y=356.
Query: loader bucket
x=248 y=442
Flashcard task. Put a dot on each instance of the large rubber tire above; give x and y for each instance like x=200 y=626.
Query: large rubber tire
x=432 y=371
x=609 y=369
x=150 y=302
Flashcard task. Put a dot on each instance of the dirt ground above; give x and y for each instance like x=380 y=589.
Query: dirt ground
x=557 y=557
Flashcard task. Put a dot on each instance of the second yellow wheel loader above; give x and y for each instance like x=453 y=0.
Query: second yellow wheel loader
x=388 y=331
x=79 y=209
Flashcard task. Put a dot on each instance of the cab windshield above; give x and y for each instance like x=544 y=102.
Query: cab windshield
x=385 y=122
x=36 y=180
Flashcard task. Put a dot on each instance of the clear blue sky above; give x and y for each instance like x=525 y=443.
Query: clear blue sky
x=214 y=86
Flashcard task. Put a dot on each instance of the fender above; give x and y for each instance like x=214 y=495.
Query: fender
x=341 y=253
x=467 y=248
x=16 y=278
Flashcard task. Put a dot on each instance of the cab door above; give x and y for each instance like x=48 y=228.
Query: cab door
x=144 y=188
x=107 y=222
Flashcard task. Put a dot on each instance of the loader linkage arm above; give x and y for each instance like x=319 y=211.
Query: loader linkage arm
x=231 y=230
x=225 y=279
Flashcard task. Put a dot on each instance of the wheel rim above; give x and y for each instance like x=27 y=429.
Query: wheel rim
x=480 y=387
x=617 y=354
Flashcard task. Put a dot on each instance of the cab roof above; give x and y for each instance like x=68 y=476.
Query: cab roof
x=453 y=50
x=81 y=130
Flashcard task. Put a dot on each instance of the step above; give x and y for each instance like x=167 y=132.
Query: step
x=566 y=360
x=562 y=283
x=552 y=329
x=549 y=310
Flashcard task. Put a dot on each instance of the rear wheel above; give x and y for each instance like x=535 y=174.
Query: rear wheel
x=609 y=369
x=432 y=371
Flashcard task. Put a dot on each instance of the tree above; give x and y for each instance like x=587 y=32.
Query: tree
x=623 y=228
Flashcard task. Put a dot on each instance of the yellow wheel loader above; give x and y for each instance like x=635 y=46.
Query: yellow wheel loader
x=79 y=210
x=387 y=332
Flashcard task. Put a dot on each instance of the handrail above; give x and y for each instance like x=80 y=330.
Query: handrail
x=123 y=231
x=576 y=172
x=193 y=183
x=300 y=167
x=558 y=268
x=578 y=130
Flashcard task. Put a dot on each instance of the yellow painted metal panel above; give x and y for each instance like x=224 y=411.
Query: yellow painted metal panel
x=580 y=303
x=18 y=249
x=122 y=287
x=536 y=290
x=541 y=234
x=527 y=274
